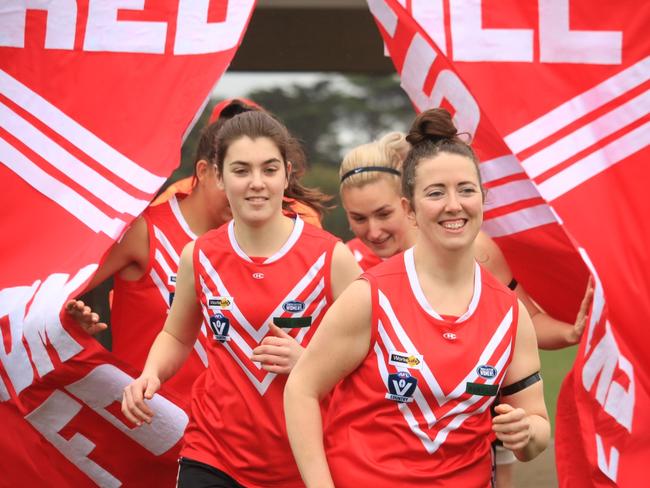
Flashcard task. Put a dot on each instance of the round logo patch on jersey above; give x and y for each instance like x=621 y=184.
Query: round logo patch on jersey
x=450 y=336
x=258 y=276
x=293 y=306
x=486 y=371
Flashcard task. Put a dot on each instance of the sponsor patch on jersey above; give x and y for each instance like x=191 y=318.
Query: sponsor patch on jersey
x=293 y=306
x=171 y=280
x=222 y=303
x=412 y=361
x=486 y=371
x=401 y=387
x=220 y=326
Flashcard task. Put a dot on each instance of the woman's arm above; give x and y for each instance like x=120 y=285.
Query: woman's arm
x=339 y=345
x=129 y=256
x=172 y=345
x=278 y=352
x=522 y=422
x=551 y=333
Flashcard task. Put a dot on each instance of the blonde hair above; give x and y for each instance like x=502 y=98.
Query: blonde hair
x=382 y=157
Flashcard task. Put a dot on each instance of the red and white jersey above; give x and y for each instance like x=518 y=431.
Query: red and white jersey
x=416 y=411
x=237 y=421
x=140 y=307
x=363 y=254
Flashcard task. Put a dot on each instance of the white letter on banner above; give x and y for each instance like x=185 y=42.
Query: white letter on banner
x=52 y=416
x=105 y=33
x=104 y=386
x=559 y=44
x=195 y=35
x=13 y=302
x=42 y=323
x=471 y=42
x=60 y=27
x=609 y=469
x=384 y=15
x=615 y=399
x=431 y=16
x=417 y=64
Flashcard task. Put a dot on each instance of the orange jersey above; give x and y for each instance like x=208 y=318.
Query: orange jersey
x=237 y=422
x=416 y=411
x=139 y=308
x=363 y=254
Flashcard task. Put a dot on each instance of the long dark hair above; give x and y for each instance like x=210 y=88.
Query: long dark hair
x=255 y=124
x=433 y=132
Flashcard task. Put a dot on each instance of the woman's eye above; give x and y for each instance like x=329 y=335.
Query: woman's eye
x=435 y=194
x=359 y=220
x=468 y=190
x=385 y=215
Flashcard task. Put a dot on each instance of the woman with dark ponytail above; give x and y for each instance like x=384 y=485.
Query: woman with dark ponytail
x=419 y=348
x=260 y=286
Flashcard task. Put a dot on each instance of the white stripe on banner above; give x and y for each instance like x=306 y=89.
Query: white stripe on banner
x=579 y=106
x=63 y=195
x=65 y=162
x=520 y=220
x=515 y=191
x=498 y=168
x=597 y=162
x=78 y=135
x=588 y=135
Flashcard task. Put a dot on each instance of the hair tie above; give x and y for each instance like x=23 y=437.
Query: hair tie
x=363 y=169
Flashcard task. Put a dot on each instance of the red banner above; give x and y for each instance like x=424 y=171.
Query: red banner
x=95 y=98
x=566 y=92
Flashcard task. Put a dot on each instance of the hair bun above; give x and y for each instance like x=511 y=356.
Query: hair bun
x=432 y=125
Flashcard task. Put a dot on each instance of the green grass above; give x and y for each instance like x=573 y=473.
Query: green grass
x=555 y=366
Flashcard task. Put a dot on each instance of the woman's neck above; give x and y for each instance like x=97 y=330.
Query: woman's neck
x=263 y=239
x=196 y=214
x=449 y=267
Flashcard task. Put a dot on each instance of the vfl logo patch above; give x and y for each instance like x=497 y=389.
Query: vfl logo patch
x=171 y=298
x=222 y=303
x=401 y=387
x=220 y=326
x=413 y=361
x=293 y=306
x=486 y=371
x=171 y=280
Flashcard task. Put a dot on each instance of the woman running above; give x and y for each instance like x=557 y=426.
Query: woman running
x=261 y=285
x=421 y=346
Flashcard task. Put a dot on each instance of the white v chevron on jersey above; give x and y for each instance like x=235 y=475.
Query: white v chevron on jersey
x=258 y=334
x=239 y=347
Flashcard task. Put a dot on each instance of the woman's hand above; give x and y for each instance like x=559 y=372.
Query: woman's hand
x=278 y=352
x=84 y=316
x=581 y=319
x=512 y=426
x=134 y=406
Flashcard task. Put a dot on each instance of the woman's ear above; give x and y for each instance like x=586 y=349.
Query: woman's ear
x=408 y=209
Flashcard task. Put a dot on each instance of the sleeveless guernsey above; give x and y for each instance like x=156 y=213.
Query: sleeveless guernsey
x=363 y=254
x=237 y=422
x=416 y=411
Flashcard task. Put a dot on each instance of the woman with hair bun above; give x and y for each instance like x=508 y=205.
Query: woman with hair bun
x=419 y=347
x=260 y=286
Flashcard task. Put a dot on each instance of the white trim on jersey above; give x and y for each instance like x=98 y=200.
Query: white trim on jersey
x=409 y=262
x=258 y=334
x=457 y=411
x=427 y=374
x=167 y=246
x=176 y=210
x=160 y=259
x=298 y=226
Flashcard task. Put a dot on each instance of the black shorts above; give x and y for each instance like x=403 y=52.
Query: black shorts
x=193 y=474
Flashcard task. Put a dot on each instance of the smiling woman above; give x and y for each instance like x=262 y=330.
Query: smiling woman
x=388 y=341
x=244 y=281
